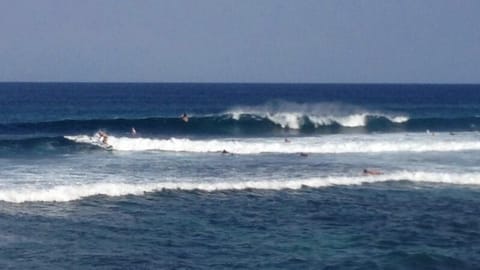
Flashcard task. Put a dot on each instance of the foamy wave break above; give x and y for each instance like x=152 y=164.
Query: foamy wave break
x=65 y=193
x=295 y=116
x=324 y=144
x=295 y=120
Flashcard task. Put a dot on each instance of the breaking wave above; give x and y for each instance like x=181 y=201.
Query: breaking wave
x=248 y=124
x=295 y=116
x=63 y=193
x=324 y=144
x=328 y=144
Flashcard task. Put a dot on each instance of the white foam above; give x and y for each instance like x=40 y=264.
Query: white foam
x=286 y=120
x=63 y=193
x=82 y=139
x=295 y=120
x=293 y=115
x=355 y=120
x=323 y=144
x=398 y=119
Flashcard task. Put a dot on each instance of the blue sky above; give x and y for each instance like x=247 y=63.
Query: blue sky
x=427 y=41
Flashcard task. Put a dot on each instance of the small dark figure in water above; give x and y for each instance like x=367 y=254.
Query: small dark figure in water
x=225 y=152
x=184 y=117
x=303 y=154
x=287 y=140
x=371 y=172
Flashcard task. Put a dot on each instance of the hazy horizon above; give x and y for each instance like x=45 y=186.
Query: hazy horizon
x=219 y=82
x=399 y=42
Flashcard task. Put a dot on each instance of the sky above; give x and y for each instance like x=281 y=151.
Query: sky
x=291 y=41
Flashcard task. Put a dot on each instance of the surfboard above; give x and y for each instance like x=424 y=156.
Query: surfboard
x=108 y=147
x=102 y=145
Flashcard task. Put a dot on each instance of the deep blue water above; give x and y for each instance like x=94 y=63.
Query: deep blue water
x=167 y=198
x=34 y=102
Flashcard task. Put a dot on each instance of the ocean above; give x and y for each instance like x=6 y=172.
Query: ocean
x=261 y=176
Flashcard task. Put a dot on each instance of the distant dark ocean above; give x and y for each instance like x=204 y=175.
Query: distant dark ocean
x=261 y=176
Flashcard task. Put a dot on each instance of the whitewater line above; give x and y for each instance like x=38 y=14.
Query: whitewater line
x=321 y=145
x=63 y=193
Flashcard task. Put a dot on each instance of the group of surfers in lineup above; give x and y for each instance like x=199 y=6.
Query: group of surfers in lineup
x=103 y=137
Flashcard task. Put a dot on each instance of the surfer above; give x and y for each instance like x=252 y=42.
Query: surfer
x=371 y=172
x=287 y=140
x=103 y=137
x=134 y=132
x=303 y=154
x=184 y=117
x=225 y=152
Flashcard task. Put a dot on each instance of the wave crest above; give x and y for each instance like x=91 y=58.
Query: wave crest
x=63 y=193
x=322 y=145
x=295 y=116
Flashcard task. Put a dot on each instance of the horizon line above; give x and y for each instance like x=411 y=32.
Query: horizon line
x=312 y=83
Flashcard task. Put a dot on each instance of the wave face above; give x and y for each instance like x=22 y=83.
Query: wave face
x=42 y=145
x=248 y=124
x=63 y=193
x=270 y=119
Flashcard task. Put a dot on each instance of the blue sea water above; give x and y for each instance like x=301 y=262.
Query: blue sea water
x=288 y=194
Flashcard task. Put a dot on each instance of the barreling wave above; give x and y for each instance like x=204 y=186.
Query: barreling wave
x=63 y=193
x=322 y=145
